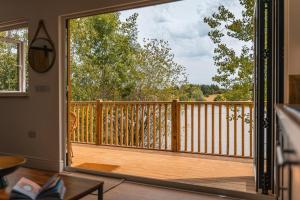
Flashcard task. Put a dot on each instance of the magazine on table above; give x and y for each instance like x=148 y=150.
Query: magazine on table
x=53 y=189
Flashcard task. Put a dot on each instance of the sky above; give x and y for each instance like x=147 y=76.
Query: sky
x=181 y=24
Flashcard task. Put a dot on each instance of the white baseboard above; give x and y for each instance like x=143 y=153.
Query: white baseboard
x=41 y=163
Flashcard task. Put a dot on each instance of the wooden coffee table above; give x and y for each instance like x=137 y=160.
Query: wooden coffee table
x=76 y=188
x=9 y=164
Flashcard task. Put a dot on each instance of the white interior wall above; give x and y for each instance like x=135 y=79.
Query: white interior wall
x=42 y=112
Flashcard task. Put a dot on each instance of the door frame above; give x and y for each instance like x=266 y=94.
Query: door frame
x=277 y=66
x=269 y=87
x=259 y=89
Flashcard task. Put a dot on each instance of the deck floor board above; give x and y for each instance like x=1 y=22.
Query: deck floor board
x=213 y=171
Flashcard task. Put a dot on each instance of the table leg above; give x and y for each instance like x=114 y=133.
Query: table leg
x=3 y=182
x=100 y=192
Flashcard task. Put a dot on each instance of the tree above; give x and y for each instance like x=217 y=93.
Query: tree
x=191 y=92
x=234 y=68
x=102 y=57
x=211 y=89
x=160 y=75
x=109 y=63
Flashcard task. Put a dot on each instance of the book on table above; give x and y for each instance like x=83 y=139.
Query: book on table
x=53 y=189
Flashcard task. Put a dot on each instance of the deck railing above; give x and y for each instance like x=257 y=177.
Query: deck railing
x=217 y=128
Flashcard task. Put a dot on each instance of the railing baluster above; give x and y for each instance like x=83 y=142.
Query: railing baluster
x=74 y=131
x=91 y=123
x=166 y=126
x=87 y=123
x=99 y=122
x=199 y=126
x=220 y=128
x=235 y=129
x=126 y=124
x=111 y=123
x=192 y=128
x=116 y=125
x=243 y=130
x=137 y=125
x=154 y=126
x=178 y=113
x=185 y=127
x=148 y=126
x=132 y=125
x=77 y=125
x=121 y=125
x=106 y=124
x=212 y=128
x=82 y=124
x=227 y=126
x=205 y=136
x=143 y=134
x=250 y=134
x=159 y=126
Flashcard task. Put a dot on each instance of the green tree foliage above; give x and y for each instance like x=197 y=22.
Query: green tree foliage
x=219 y=97
x=191 y=92
x=235 y=68
x=9 y=59
x=109 y=63
x=211 y=89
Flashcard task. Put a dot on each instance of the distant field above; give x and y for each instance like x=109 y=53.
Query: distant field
x=211 y=97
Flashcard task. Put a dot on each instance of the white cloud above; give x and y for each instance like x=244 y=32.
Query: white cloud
x=200 y=70
x=193 y=47
x=181 y=24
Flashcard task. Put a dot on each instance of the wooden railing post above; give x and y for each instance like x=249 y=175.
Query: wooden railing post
x=175 y=120
x=99 y=121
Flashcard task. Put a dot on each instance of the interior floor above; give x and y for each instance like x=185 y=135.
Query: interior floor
x=118 y=189
x=211 y=171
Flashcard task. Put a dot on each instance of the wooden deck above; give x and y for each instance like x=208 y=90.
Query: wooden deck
x=213 y=171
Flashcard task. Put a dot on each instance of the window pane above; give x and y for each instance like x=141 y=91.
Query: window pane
x=11 y=55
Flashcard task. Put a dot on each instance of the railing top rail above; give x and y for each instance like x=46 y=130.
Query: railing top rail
x=167 y=102
x=84 y=102
x=137 y=102
x=216 y=102
x=125 y=102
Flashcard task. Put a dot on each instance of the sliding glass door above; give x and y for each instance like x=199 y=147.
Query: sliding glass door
x=263 y=95
x=268 y=87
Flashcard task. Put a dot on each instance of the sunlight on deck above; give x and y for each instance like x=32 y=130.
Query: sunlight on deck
x=212 y=171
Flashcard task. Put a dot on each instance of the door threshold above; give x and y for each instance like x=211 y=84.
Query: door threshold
x=176 y=185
